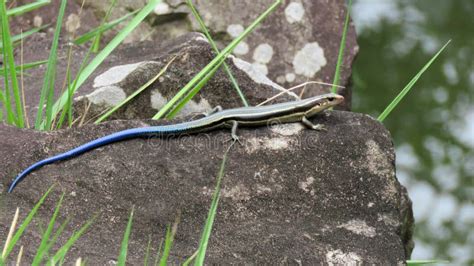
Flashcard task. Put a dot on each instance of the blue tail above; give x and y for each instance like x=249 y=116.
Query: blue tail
x=118 y=136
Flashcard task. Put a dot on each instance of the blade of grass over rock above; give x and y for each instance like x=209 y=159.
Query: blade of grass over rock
x=10 y=232
x=25 y=34
x=16 y=11
x=212 y=214
x=26 y=66
x=408 y=87
x=158 y=252
x=169 y=237
x=342 y=46
x=20 y=255
x=56 y=235
x=67 y=110
x=126 y=236
x=135 y=93
x=42 y=250
x=47 y=91
x=9 y=70
x=102 y=55
x=22 y=84
x=25 y=223
x=224 y=53
x=4 y=103
x=101 y=29
x=214 y=46
x=190 y=259
x=5 y=95
x=61 y=253
x=147 y=252
x=194 y=91
x=96 y=41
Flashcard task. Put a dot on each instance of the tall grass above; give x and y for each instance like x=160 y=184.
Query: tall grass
x=16 y=38
x=9 y=245
x=47 y=91
x=100 y=57
x=48 y=239
x=10 y=81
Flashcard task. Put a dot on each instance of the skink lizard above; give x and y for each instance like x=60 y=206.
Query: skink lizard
x=288 y=112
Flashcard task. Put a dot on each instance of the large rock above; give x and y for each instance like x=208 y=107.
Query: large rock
x=290 y=195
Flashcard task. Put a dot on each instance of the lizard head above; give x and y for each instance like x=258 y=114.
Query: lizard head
x=322 y=102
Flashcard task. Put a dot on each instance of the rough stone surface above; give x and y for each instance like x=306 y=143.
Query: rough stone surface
x=302 y=35
x=290 y=195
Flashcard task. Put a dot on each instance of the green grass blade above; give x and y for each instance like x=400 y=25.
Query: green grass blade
x=201 y=254
x=67 y=110
x=147 y=252
x=2 y=102
x=26 y=66
x=194 y=91
x=167 y=248
x=102 y=55
x=56 y=235
x=101 y=29
x=214 y=46
x=9 y=68
x=124 y=247
x=27 y=8
x=10 y=232
x=424 y=262
x=135 y=93
x=25 y=34
x=47 y=90
x=5 y=98
x=408 y=87
x=61 y=253
x=96 y=41
x=25 y=224
x=342 y=46
x=52 y=62
x=171 y=103
x=157 y=257
x=190 y=259
x=42 y=251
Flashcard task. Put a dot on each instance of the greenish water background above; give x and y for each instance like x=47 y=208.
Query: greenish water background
x=433 y=127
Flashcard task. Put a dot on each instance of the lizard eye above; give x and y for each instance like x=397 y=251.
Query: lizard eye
x=331 y=99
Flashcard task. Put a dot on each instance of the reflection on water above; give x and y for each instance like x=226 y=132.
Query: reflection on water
x=433 y=128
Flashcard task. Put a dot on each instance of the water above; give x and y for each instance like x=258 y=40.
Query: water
x=433 y=127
